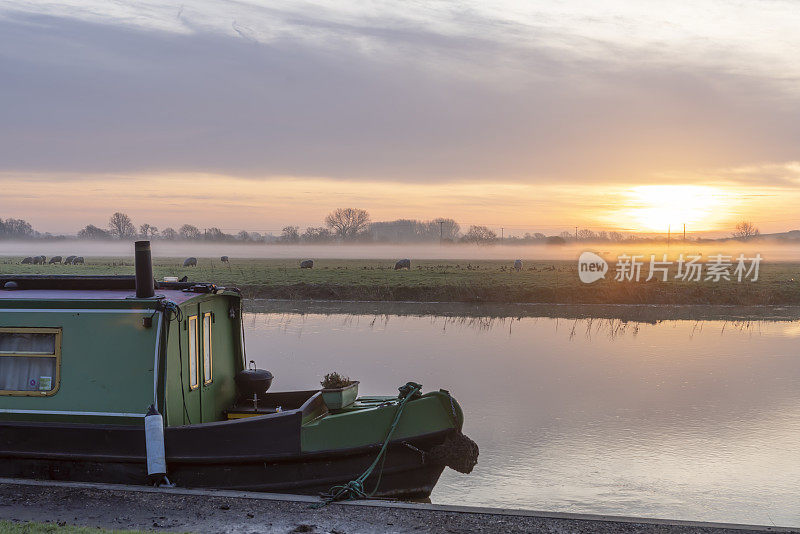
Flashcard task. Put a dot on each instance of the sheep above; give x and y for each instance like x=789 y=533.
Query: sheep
x=55 y=259
x=307 y=264
x=517 y=265
x=29 y=259
x=224 y=259
x=69 y=260
x=190 y=262
x=403 y=264
x=78 y=260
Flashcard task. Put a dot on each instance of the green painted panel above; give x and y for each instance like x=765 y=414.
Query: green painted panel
x=208 y=401
x=107 y=360
x=368 y=425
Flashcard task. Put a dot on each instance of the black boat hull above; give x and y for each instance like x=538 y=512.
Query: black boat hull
x=116 y=455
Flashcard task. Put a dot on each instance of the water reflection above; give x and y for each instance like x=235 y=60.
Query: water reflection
x=588 y=328
x=689 y=419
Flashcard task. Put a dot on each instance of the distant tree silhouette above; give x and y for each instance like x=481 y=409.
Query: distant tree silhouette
x=16 y=229
x=121 y=227
x=93 y=232
x=412 y=230
x=147 y=231
x=316 y=235
x=745 y=230
x=448 y=228
x=189 y=231
x=215 y=234
x=290 y=234
x=479 y=234
x=347 y=223
x=169 y=233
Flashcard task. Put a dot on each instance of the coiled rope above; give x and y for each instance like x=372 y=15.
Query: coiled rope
x=355 y=488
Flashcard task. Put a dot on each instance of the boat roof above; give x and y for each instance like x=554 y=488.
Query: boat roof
x=98 y=288
x=175 y=295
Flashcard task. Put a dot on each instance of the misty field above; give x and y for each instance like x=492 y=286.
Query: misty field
x=445 y=281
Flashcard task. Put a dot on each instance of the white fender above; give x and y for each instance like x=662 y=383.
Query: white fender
x=154 y=442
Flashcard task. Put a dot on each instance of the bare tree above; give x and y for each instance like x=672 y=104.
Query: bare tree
x=347 y=223
x=447 y=229
x=121 y=227
x=148 y=231
x=317 y=235
x=244 y=235
x=215 y=234
x=16 y=228
x=745 y=230
x=479 y=235
x=586 y=235
x=169 y=233
x=616 y=236
x=189 y=231
x=290 y=234
x=93 y=232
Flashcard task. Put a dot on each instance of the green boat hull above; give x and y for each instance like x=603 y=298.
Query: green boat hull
x=302 y=450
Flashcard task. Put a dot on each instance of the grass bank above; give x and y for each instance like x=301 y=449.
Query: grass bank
x=25 y=527
x=448 y=281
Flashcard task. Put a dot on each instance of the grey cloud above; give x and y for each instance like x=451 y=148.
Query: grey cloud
x=83 y=97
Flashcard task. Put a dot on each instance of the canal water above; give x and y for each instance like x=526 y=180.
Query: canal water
x=679 y=418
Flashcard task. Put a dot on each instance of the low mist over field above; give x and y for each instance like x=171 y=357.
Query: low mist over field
x=769 y=250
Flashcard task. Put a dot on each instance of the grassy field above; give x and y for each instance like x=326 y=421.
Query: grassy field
x=9 y=527
x=446 y=281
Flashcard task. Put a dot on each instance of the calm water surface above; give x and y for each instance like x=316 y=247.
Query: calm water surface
x=679 y=419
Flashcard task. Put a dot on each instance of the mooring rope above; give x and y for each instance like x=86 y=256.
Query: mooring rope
x=355 y=488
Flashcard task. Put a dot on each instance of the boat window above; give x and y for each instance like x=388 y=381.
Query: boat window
x=207 y=348
x=30 y=361
x=193 y=378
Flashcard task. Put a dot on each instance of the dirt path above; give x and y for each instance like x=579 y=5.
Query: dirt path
x=118 y=507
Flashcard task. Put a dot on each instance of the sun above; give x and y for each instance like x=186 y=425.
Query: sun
x=658 y=208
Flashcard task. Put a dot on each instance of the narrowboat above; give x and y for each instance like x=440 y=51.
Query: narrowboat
x=124 y=379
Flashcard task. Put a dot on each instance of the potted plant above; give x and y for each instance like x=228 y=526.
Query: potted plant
x=338 y=391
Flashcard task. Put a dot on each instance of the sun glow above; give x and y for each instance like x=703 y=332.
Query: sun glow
x=658 y=208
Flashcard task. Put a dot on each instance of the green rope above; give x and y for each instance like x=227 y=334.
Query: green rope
x=355 y=488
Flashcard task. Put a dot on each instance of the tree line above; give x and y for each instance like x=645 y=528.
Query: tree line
x=351 y=225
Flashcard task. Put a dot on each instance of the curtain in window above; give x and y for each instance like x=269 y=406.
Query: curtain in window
x=22 y=342
x=21 y=373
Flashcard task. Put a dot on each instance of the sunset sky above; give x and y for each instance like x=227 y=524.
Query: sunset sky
x=533 y=116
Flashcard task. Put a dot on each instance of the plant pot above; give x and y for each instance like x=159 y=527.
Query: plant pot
x=340 y=397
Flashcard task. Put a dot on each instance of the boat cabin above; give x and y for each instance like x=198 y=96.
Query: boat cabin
x=104 y=355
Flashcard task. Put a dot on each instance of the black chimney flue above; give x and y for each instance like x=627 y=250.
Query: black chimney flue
x=145 y=287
